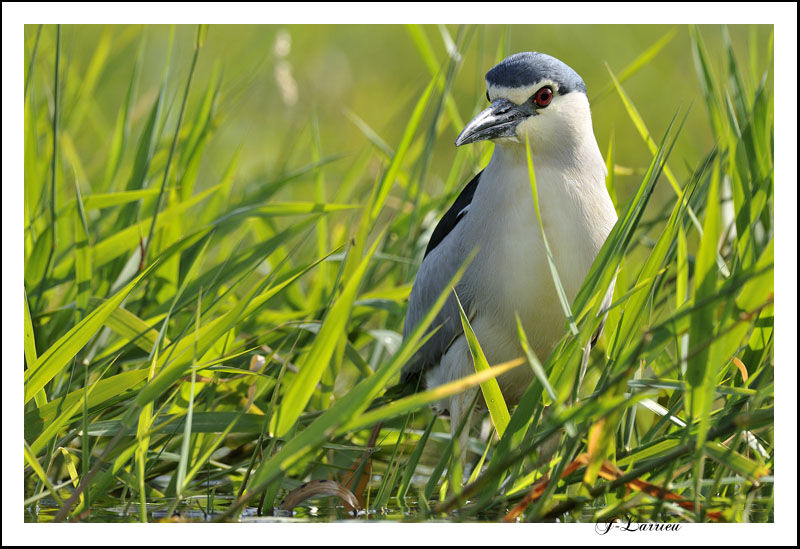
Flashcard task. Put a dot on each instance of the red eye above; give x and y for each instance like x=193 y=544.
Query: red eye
x=543 y=97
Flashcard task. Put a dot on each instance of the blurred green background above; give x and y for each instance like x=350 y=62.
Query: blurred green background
x=275 y=79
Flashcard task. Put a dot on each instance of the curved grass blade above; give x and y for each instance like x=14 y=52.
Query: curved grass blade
x=37 y=468
x=419 y=400
x=413 y=460
x=700 y=374
x=641 y=60
x=70 y=344
x=83 y=254
x=98 y=201
x=562 y=295
x=104 y=390
x=332 y=329
x=498 y=410
x=425 y=50
x=31 y=359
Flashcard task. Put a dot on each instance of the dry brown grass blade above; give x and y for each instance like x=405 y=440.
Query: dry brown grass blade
x=538 y=489
x=361 y=487
x=742 y=369
x=608 y=471
x=319 y=488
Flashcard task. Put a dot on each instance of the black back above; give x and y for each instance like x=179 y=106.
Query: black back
x=451 y=218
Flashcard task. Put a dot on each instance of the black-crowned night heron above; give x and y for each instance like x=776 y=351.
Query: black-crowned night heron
x=537 y=98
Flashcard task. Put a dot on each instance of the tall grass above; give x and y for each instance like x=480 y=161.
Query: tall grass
x=231 y=339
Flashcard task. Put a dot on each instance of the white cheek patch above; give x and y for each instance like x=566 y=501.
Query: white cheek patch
x=572 y=108
x=567 y=115
x=518 y=95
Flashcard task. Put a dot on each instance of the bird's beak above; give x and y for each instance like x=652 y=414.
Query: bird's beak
x=499 y=120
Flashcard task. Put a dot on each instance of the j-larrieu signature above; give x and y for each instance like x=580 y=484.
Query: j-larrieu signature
x=604 y=528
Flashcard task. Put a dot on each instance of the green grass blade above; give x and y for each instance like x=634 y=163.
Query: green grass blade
x=173 y=146
x=413 y=460
x=535 y=365
x=99 y=201
x=370 y=134
x=133 y=329
x=30 y=458
x=29 y=339
x=173 y=364
x=333 y=328
x=70 y=344
x=104 y=391
x=147 y=141
x=121 y=131
x=735 y=461
x=562 y=295
x=424 y=398
x=498 y=410
x=187 y=430
x=700 y=374
x=52 y=428
x=641 y=60
x=425 y=50
x=385 y=185
x=83 y=255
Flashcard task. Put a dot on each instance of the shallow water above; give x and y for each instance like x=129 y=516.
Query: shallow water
x=327 y=509
x=205 y=509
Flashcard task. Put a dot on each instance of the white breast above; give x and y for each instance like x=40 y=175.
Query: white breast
x=512 y=273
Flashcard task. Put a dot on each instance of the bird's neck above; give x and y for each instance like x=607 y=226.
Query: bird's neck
x=572 y=167
x=570 y=186
x=572 y=153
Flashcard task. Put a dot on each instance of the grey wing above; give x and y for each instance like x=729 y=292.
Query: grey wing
x=443 y=257
x=436 y=270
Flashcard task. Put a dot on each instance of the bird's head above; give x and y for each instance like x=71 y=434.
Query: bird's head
x=533 y=96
